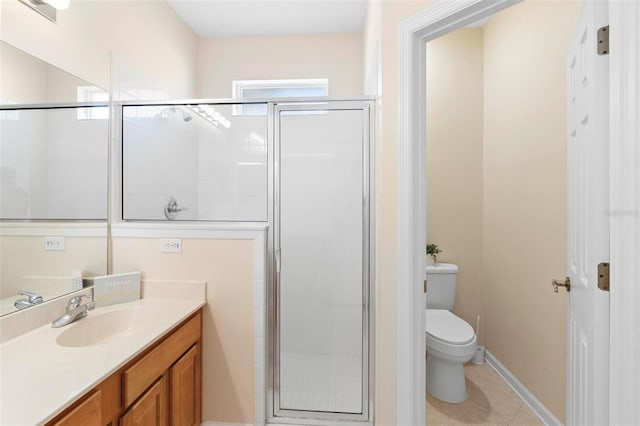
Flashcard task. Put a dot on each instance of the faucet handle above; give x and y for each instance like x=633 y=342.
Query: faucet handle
x=34 y=298
x=172 y=208
x=74 y=302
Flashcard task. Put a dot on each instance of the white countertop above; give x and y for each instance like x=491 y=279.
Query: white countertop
x=39 y=378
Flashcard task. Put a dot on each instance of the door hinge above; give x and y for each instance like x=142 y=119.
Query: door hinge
x=603 y=276
x=603 y=40
x=425 y=286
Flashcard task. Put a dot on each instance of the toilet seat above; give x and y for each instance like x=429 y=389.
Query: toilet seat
x=447 y=328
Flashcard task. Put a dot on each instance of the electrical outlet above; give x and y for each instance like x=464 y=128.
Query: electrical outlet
x=173 y=245
x=54 y=243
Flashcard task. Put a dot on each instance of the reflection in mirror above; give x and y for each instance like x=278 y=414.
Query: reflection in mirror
x=25 y=79
x=53 y=177
x=54 y=163
x=49 y=263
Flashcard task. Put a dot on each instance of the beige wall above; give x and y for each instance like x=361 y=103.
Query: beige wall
x=227 y=268
x=26 y=265
x=455 y=89
x=525 y=193
x=337 y=57
x=85 y=35
x=393 y=12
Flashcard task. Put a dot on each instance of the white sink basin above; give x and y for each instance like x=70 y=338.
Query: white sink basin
x=101 y=328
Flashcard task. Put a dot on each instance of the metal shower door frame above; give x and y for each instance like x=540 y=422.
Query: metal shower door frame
x=275 y=414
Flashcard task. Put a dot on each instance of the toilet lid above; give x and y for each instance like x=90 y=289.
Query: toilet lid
x=447 y=327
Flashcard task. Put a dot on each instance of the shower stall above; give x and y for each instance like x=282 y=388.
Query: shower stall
x=304 y=168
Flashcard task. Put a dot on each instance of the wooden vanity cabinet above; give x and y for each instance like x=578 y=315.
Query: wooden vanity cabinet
x=101 y=406
x=152 y=409
x=87 y=412
x=162 y=386
x=186 y=388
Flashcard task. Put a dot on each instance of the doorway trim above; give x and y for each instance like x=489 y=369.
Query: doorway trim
x=414 y=33
x=624 y=166
x=440 y=19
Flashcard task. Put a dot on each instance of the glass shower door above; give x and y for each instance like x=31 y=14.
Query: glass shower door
x=322 y=261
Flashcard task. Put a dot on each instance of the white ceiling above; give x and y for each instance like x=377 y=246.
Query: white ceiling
x=237 y=18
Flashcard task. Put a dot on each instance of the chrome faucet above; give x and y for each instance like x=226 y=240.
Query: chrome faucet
x=32 y=299
x=74 y=311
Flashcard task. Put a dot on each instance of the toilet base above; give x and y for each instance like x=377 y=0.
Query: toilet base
x=445 y=380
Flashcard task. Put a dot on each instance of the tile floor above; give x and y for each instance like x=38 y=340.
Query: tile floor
x=317 y=382
x=491 y=402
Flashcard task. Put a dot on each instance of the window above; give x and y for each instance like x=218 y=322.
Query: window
x=260 y=89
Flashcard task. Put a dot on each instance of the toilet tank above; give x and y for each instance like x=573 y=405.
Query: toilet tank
x=441 y=285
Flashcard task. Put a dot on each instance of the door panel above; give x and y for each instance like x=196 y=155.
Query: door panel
x=151 y=409
x=588 y=221
x=322 y=241
x=185 y=389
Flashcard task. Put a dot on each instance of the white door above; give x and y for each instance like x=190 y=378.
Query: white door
x=587 y=221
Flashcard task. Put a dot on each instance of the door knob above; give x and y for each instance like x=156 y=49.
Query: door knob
x=559 y=283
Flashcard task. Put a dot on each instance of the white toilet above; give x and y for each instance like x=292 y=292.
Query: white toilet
x=451 y=341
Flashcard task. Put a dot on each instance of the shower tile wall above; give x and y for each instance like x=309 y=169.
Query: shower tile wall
x=160 y=160
x=217 y=173
x=128 y=82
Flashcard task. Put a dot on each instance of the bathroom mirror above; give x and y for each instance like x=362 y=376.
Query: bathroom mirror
x=54 y=141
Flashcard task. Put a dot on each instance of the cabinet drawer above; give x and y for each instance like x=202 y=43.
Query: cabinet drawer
x=87 y=413
x=138 y=377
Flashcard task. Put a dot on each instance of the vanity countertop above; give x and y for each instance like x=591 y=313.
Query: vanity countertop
x=39 y=378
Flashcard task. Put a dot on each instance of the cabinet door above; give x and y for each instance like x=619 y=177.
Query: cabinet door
x=87 y=413
x=144 y=372
x=151 y=409
x=185 y=389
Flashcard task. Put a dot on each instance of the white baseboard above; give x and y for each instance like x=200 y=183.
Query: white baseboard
x=534 y=403
x=224 y=424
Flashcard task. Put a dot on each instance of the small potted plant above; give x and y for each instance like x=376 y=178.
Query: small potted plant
x=433 y=250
